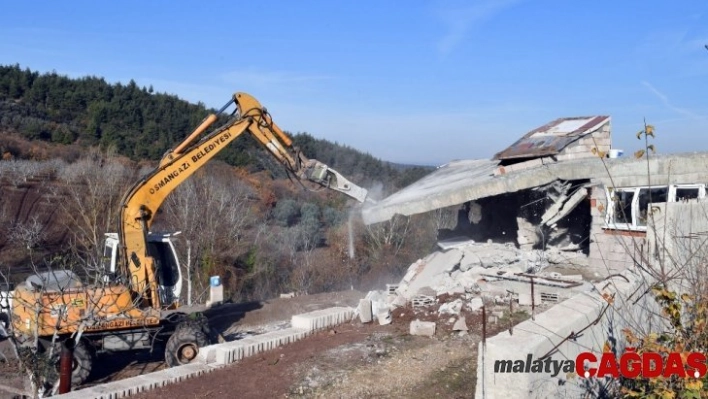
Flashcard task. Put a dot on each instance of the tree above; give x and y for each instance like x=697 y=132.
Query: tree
x=95 y=185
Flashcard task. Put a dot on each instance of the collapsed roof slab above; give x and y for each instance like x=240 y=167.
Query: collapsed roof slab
x=462 y=181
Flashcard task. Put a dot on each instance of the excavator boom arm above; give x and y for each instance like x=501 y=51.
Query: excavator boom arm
x=141 y=202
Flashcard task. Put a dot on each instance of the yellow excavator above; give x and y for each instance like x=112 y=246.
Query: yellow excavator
x=137 y=304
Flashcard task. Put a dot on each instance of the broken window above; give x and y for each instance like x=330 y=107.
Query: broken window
x=648 y=196
x=623 y=206
x=688 y=192
x=685 y=194
x=631 y=205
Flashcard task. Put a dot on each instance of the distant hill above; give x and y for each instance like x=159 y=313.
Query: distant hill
x=142 y=124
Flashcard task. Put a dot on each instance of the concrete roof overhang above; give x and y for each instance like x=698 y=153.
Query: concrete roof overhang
x=461 y=181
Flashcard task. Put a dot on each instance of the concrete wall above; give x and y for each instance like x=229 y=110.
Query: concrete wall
x=677 y=241
x=678 y=232
x=551 y=328
x=611 y=251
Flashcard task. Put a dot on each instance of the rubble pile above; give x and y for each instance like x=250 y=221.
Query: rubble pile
x=451 y=285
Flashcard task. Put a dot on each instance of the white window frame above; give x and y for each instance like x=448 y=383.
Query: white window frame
x=670 y=196
x=672 y=190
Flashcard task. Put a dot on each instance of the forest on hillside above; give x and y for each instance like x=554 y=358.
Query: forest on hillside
x=142 y=124
x=74 y=146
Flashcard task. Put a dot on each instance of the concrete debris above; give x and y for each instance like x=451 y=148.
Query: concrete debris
x=427 y=291
x=379 y=301
x=453 y=285
x=460 y=324
x=424 y=328
x=453 y=308
x=422 y=300
x=473 y=269
x=475 y=304
x=365 y=311
x=376 y=304
x=384 y=317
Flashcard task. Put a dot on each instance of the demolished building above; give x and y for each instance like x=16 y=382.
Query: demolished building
x=556 y=217
x=555 y=198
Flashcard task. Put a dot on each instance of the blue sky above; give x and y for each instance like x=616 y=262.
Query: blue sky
x=418 y=81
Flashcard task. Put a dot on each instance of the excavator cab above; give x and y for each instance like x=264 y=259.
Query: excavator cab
x=167 y=268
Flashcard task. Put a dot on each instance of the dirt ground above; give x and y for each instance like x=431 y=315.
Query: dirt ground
x=356 y=360
x=11 y=379
x=353 y=360
x=233 y=321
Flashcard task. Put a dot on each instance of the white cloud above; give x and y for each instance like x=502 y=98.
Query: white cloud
x=459 y=21
x=665 y=100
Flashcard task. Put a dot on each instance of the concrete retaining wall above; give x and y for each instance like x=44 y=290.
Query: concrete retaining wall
x=216 y=356
x=578 y=317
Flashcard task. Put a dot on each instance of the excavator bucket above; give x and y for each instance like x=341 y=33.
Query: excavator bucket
x=322 y=174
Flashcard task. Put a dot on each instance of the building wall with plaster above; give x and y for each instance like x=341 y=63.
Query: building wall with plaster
x=674 y=246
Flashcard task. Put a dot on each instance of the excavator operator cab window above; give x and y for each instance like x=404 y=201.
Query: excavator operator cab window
x=108 y=261
x=166 y=267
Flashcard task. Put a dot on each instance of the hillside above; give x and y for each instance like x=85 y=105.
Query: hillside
x=142 y=124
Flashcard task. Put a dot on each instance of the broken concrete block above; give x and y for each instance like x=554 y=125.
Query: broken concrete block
x=422 y=300
x=458 y=289
x=476 y=304
x=365 y=310
x=426 y=291
x=453 y=307
x=425 y=328
x=378 y=301
x=384 y=317
x=460 y=324
x=412 y=271
x=398 y=301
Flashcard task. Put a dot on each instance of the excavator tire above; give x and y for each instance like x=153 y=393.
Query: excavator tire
x=81 y=365
x=199 y=322
x=183 y=345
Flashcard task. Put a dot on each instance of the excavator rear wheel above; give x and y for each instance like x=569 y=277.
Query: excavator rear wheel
x=183 y=346
x=81 y=363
